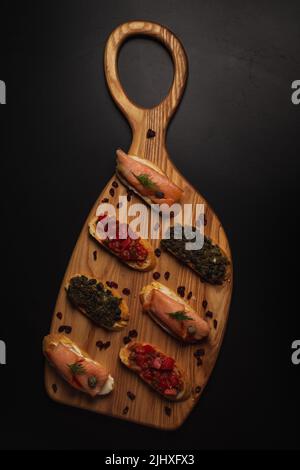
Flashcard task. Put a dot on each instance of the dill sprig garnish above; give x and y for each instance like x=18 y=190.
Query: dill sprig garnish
x=146 y=181
x=180 y=315
x=77 y=368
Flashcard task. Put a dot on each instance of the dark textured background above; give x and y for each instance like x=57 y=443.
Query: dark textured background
x=235 y=137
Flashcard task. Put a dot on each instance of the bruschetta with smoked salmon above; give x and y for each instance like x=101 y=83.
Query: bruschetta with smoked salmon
x=76 y=366
x=147 y=180
x=173 y=314
x=158 y=370
x=132 y=250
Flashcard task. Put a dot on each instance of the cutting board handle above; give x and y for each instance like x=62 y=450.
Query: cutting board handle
x=142 y=119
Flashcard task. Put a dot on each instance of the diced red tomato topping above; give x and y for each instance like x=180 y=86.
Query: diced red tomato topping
x=147 y=374
x=167 y=363
x=157 y=369
x=147 y=348
x=156 y=364
x=115 y=246
x=174 y=380
x=126 y=255
x=139 y=350
x=125 y=243
x=129 y=249
x=140 y=360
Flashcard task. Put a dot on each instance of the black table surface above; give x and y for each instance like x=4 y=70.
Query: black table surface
x=236 y=139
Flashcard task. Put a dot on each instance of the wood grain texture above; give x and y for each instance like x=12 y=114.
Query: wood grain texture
x=148 y=408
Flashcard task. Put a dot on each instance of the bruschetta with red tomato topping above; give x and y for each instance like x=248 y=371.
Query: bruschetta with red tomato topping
x=146 y=179
x=76 y=366
x=157 y=369
x=173 y=314
x=119 y=240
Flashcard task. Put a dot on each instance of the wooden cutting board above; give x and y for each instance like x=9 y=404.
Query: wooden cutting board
x=89 y=258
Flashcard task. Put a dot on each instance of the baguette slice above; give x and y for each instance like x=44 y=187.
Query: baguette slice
x=146 y=265
x=124 y=355
x=119 y=324
x=76 y=366
x=159 y=302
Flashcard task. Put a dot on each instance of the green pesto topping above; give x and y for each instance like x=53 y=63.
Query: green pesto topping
x=209 y=262
x=97 y=302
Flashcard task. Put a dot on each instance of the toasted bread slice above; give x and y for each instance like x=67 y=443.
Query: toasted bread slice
x=191 y=329
x=147 y=265
x=118 y=325
x=182 y=395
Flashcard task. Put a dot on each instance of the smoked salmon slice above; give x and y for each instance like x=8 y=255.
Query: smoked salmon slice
x=76 y=366
x=147 y=180
x=173 y=314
